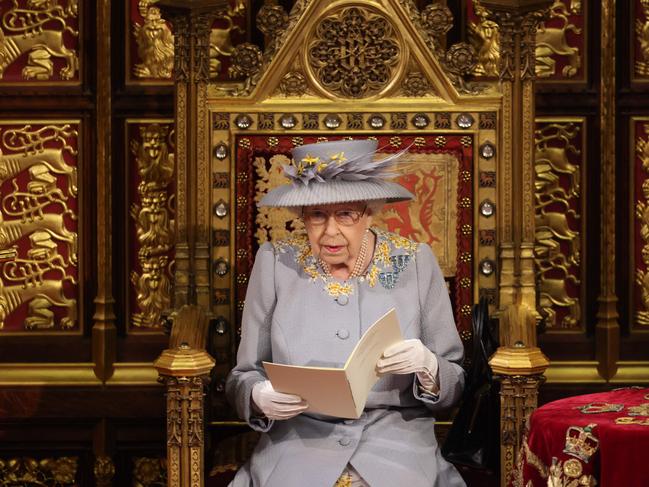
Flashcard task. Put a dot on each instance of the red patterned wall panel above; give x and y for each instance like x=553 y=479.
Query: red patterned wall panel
x=39 y=41
x=39 y=256
x=258 y=166
x=151 y=188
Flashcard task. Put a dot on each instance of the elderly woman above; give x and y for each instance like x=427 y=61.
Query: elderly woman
x=311 y=298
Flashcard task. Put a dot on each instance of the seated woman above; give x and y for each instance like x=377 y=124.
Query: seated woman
x=310 y=299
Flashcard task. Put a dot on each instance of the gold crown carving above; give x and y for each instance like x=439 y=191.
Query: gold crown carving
x=580 y=442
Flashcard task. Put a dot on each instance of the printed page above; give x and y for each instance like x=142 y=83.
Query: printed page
x=361 y=364
x=340 y=392
x=326 y=390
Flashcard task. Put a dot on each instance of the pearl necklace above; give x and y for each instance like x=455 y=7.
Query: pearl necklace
x=359 y=266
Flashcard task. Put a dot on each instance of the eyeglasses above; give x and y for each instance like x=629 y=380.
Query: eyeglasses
x=345 y=218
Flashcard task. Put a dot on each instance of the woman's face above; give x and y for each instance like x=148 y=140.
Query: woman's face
x=336 y=231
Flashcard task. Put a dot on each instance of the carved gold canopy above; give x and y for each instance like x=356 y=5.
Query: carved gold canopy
x=355 y=69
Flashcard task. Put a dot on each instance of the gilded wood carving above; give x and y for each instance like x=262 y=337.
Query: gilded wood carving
x=559 y=195
x=152 y=213
x=39 y=41
x=641 y=238
x=150 y=47
x=49 y=472
x=560 y=42
x=361 y=59
x=38 y=236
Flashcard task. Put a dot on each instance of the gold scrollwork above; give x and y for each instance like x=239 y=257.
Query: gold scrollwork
x=642 y=214
x=554 y=206
x=51 y=472
x=551 y=41
x=221 y=37
x=642 y=34
x=361 y=56
x=29 y=277
x=154 y=225
x=31 y=31
x=273 y=225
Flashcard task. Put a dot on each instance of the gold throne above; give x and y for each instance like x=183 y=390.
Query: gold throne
x=319 y=78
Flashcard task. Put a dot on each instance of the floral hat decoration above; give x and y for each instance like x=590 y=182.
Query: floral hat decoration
x=337 y=172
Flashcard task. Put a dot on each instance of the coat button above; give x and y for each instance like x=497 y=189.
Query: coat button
x=342 y=334
x=342 y=300
x=345 y=441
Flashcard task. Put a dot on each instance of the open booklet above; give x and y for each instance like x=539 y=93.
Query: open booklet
x=340 y=392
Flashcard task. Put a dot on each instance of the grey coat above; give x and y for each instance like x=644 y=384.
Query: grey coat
x=293 y=314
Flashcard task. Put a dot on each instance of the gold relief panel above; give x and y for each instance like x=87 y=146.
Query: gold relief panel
x=640 y=42
x=150 y=184
x=640 y=208
x=559 y=197
x=150 y=42
x=48 y=472
x=39 y=42
x=560 y=42
x=40 y=261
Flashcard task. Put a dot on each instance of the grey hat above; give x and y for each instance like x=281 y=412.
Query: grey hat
x=337 y=172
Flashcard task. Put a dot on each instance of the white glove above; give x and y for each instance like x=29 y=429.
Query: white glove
x=411 y=356
x=276 y=405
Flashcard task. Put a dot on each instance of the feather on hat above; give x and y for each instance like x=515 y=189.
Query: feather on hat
x=337 y=172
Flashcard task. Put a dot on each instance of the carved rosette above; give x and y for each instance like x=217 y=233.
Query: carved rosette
x=437 y=20
x=55 y=472
x=271 y=20
x=149 y=472
x=246 y=60
x=39 y=41
x=38 y=226
x=416 y=85
x=461 y=59
x=354 y=52
x=293 y=84
x=558 y=199
x=152 y=217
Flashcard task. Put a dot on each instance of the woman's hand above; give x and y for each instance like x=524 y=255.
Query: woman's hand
x=411 y=356
x=276 y=405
